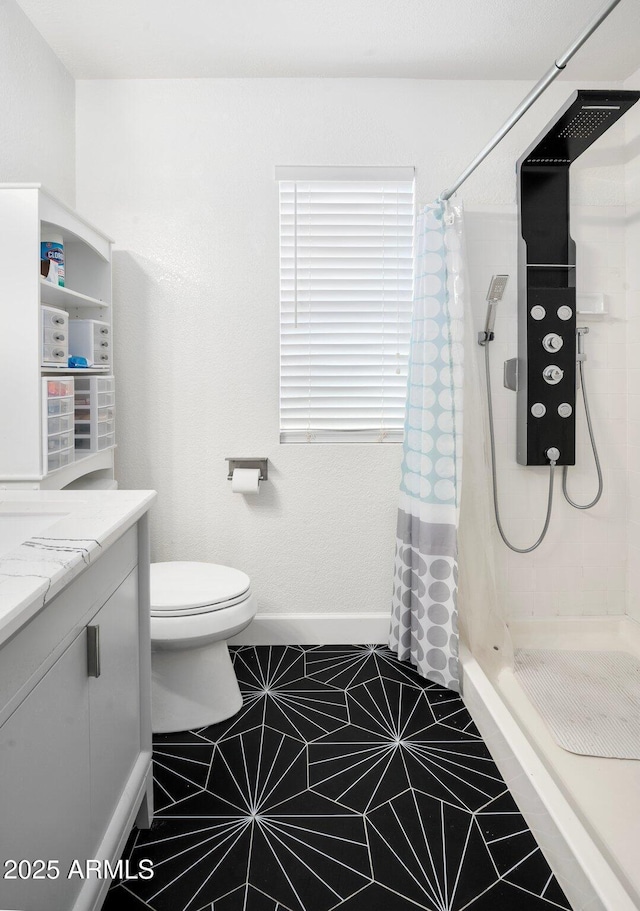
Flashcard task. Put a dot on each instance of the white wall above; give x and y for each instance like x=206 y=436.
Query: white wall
x=37 y=139
x=181 y=174
x=633 y=347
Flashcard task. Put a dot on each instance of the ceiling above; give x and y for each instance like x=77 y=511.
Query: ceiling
x=456 y=39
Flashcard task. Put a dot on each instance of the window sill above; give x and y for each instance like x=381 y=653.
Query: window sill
x=341 y=436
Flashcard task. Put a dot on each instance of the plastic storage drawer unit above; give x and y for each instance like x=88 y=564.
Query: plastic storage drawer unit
x=58 y=401
x=91 y=339
x=94 y=413
x=55 y=336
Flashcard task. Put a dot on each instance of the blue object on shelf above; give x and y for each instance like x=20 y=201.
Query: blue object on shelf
x=78 y=362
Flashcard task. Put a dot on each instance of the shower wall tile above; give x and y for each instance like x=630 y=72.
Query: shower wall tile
x=568 y=578
x=605 y=553
x=617 y=355
x=618 y=331
x=634 y=536
x=615 y=381
x=634 y=436
x=617 y=601
x=615 y=407
x=562 y=554
x=581 y=567
x=634 y=513
x=633 y=262
x=634 y=483
x=633 y=583
x=502 y=576
x=547 y=603
x=614 y=447
x=633 y=346
x=519 y=604
x=632 y=240
x=571 y=604
x=593 y=603
x=594 y=528
x=596 y=580
x=522 y=578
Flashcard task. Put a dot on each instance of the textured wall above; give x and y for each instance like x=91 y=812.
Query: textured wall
x=632 y=224
x=181 y=174
x=37 y=139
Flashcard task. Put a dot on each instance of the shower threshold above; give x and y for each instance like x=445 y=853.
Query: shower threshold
x=583 y=810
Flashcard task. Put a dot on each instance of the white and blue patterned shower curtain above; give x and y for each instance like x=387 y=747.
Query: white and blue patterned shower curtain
x=424 y=622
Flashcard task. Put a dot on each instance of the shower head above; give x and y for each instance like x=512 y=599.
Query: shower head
x=546 y=250
x=494 y=295
x=496 y=288
x=583 y=119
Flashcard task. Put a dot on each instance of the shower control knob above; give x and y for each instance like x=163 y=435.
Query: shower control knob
x=552 y=342
x=565 y=410
x=538 y=312
x=553 y=454
x=565 y=312
x=538 y=410
x=552 y=374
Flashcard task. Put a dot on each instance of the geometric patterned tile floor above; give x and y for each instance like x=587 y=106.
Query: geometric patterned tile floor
x=346 y=781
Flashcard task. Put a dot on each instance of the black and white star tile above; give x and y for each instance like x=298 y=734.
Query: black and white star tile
x=346 y=781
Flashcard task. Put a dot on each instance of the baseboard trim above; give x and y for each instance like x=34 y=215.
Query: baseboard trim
x=315 y=629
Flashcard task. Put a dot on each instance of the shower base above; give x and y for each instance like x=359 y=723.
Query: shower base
x=583 y=810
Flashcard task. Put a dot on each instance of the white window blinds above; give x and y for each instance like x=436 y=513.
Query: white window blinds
x=346 y=284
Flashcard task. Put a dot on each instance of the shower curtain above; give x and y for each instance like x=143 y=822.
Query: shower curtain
x=424 y=621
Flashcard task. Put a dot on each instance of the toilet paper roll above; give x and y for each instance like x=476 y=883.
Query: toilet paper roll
x=245 y=480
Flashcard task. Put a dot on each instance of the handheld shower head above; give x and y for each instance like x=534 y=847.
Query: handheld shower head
x=494 y=295
x=496 y=288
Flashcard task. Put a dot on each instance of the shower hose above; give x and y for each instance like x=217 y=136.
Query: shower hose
x=594 y=449
x=552 y=464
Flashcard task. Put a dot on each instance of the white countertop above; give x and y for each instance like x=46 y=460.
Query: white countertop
x=84 y=524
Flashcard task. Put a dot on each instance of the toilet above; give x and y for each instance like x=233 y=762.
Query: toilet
x=195 y=608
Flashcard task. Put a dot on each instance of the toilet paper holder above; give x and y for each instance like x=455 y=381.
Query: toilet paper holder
x=262 y=464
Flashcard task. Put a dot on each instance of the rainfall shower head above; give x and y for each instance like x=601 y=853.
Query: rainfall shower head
x=494 y=295
x=544 y=184
x=584 y=118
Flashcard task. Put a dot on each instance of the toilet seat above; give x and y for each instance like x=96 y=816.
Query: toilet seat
x=183 y=588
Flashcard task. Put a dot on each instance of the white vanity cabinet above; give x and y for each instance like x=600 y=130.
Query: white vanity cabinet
x=75 y=738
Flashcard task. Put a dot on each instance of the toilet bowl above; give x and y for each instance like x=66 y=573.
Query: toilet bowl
x=195 y=608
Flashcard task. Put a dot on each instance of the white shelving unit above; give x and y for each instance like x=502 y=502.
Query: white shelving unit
x=26 y=211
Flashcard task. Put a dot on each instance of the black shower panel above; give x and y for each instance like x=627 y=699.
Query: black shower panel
x=547 y=275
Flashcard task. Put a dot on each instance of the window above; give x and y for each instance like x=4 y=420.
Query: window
x=346 y=285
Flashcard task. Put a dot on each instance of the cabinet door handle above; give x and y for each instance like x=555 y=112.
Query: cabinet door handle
x=93 y=651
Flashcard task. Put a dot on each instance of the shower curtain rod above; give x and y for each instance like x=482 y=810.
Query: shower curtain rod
x=533 y=95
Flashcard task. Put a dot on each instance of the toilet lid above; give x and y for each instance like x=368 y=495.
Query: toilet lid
x=187 y=587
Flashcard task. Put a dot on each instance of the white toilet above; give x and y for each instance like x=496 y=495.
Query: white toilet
x=195 y=608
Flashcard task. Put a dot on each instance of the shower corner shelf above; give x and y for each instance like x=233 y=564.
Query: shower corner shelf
x=591 y=305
